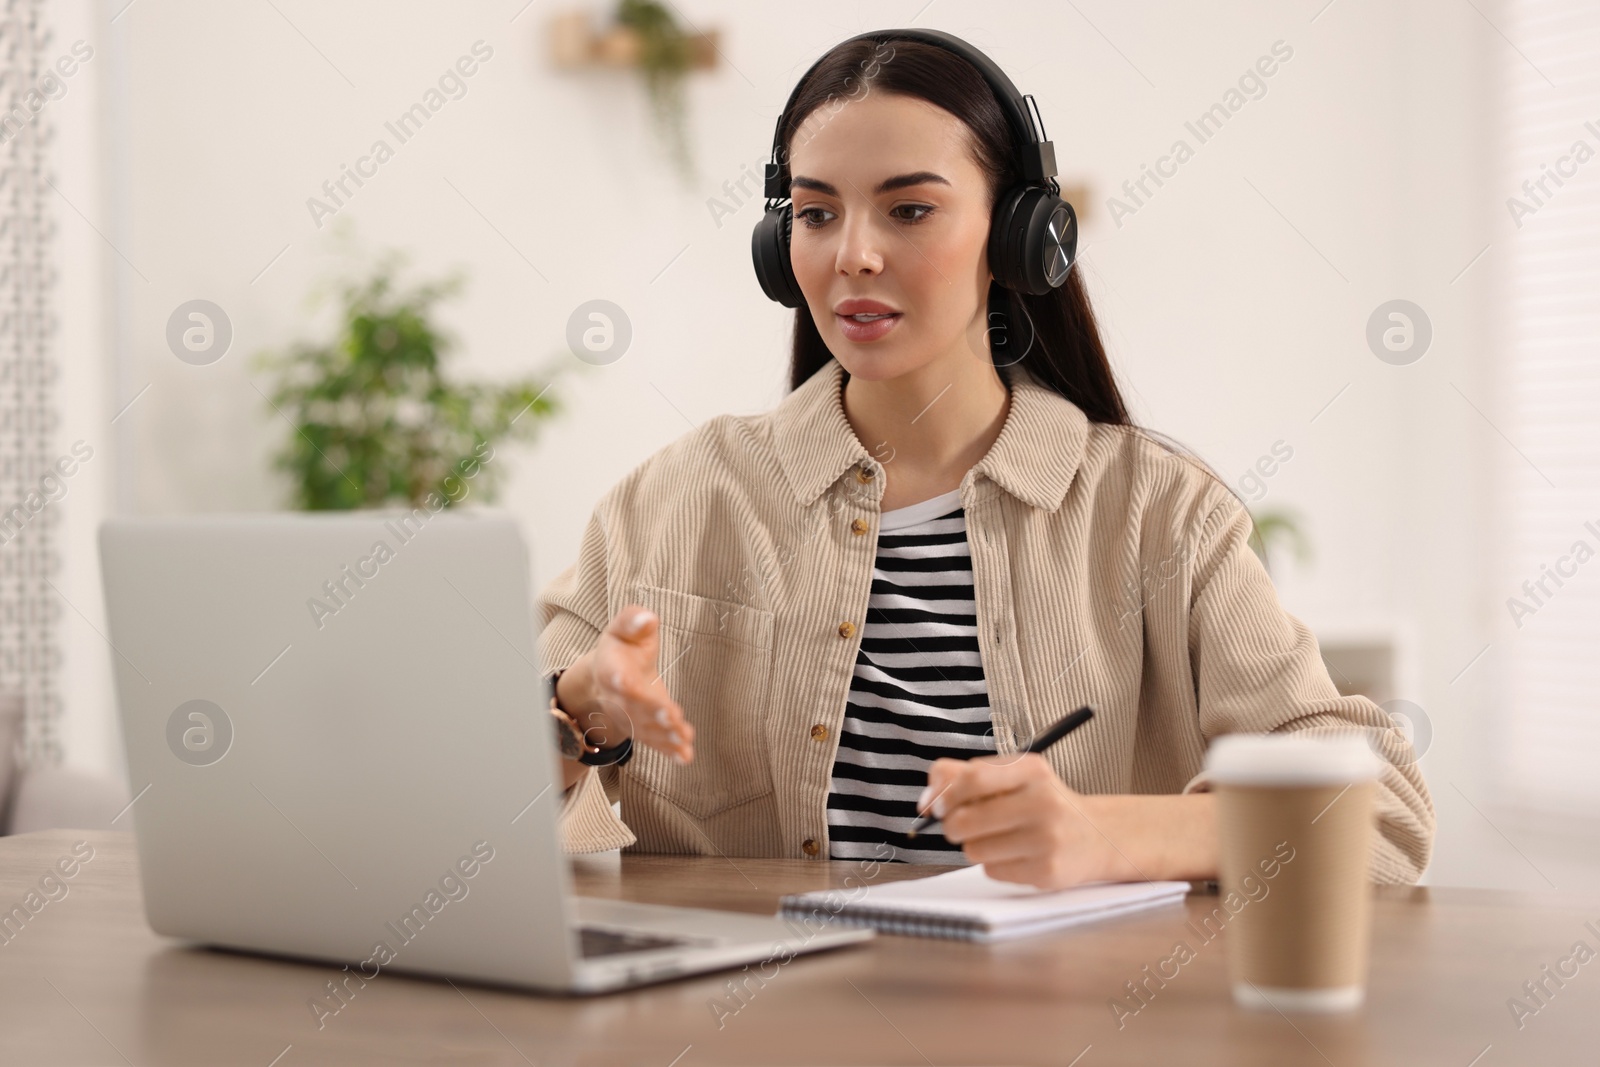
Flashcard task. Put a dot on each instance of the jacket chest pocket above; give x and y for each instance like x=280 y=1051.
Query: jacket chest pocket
x=716 y=660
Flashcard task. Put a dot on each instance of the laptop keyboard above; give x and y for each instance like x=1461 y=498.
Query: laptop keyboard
x=605 y=941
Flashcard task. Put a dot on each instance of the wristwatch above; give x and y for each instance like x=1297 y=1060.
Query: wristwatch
x=572 y=742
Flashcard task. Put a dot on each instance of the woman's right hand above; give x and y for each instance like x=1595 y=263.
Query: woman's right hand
x=615 y=690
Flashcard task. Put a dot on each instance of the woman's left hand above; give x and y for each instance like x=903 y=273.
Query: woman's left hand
x=1016 y=817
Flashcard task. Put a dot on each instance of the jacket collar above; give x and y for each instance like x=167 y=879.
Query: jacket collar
x=1034 y=458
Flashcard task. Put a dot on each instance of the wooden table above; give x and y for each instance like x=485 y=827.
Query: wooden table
x=84 y=981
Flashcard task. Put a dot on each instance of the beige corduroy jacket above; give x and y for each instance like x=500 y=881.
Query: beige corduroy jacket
x=1107 y=571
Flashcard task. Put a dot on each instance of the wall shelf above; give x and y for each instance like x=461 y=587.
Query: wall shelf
x=575 y=43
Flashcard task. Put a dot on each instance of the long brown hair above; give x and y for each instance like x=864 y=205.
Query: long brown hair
x=1061 y=340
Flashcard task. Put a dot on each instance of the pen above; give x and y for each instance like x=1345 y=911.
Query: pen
x=1042 y=742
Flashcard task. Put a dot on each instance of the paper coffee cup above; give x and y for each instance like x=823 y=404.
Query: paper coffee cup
x=1294 y=817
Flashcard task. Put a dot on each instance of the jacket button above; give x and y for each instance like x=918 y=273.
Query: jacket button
x=819 y=732
x=863 y=474
x=859 y=526
x=847 y=629
x=810 y=847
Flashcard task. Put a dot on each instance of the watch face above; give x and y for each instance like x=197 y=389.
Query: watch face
x=566 y=735
x=1060 y=244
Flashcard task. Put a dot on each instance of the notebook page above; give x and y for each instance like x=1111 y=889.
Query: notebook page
x=970 y=894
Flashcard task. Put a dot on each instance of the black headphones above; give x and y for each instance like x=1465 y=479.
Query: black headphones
x=1033 y=235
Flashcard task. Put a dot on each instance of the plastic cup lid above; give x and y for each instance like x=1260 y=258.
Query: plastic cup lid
x=1291 y=759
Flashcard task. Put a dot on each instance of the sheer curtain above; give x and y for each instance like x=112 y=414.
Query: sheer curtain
x=1551 y=401
x=30 y=653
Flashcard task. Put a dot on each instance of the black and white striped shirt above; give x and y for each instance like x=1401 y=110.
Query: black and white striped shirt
x=918 y=692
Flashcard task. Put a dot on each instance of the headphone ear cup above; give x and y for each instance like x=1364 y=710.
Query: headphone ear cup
x=1033 y=240
x=1003 y=262
x=769 y=249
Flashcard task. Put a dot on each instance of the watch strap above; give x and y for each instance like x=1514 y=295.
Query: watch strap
x=605 y=757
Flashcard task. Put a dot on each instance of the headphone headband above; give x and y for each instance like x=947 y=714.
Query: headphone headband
x=1036 y=155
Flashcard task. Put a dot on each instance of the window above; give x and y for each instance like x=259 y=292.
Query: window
x=1551 y=400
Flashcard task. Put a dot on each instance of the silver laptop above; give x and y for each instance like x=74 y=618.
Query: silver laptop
x=336 y=734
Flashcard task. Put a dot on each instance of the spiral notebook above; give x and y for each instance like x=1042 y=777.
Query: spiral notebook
x=969 y=905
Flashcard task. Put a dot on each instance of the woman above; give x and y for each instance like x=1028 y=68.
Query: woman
x=818 y=621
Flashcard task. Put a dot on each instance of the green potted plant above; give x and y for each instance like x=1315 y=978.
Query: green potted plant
x=375 y=419
x=1278 y=526
x=665 y=57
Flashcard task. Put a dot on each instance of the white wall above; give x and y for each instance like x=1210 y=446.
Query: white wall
x=85 y=390
x=1235 y=300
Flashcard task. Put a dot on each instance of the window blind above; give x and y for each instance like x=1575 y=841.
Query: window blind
x=1550 y=398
